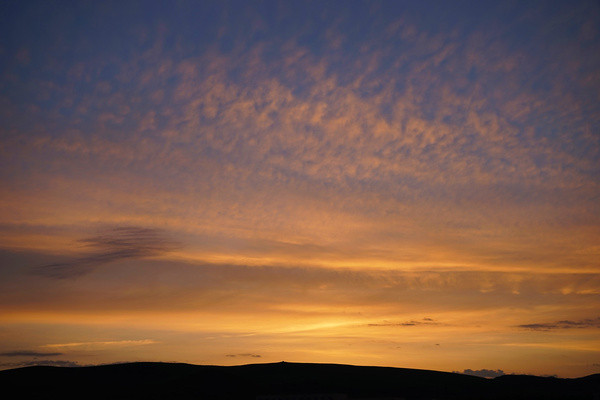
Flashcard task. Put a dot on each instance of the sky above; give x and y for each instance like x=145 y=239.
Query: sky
x=398 y=183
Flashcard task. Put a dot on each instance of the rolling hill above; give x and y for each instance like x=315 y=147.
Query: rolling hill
x=280 y=381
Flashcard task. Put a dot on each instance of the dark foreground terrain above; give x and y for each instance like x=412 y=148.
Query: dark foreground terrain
x=280 y=381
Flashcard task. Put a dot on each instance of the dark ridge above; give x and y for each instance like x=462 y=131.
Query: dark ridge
x=272 y=381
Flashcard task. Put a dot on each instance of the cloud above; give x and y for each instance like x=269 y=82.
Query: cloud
x=483 y=373
x=425 y=321
x=50 y=363
x=102 y=344
x=189 y=286
x=244 y=355
x=564 y=324
x=434 y=148
x=120 y=243
x=28 y=353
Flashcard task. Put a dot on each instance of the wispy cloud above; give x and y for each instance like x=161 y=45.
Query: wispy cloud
x=49 y=363
x=28 y=353
x=251 y=355
x=424 y=321
x=102 y=344
x=563 y=324
x=116 y=244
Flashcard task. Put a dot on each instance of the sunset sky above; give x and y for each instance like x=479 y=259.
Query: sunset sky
x=398 y=183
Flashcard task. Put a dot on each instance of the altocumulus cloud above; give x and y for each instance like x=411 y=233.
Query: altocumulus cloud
x=119 y=243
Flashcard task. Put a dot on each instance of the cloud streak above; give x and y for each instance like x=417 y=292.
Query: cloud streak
x=250 y=355
x=424 y=321
x=102 y=344
x=28 y=353
x=46 y=363
x=116 y=244
x=563 y=324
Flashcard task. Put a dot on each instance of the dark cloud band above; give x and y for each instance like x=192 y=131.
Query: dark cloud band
x=27 y=353
x=116 y=244
x=425 y=321
x=49 y=363
x=244 y=355
x=564 y=324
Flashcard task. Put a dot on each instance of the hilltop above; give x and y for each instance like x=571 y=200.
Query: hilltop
x=281 y=380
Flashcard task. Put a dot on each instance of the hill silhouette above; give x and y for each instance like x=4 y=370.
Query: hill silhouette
x=280 y=380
